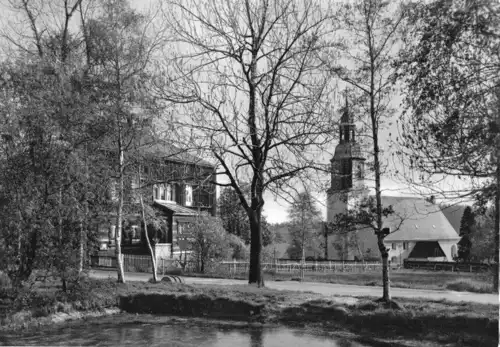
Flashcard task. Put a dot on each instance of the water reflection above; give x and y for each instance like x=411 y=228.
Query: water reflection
x=169 y=333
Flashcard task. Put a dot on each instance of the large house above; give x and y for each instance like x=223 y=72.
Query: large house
x=419 y=230
x=181 y=187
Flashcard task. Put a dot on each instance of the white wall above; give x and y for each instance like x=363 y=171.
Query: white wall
x=399 y=253
x=163 y=250
x=335 y=205
x=446 y=246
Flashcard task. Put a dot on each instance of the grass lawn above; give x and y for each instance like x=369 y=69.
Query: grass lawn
x=416 y=279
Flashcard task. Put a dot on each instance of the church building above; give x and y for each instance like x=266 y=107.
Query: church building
x=418 y=228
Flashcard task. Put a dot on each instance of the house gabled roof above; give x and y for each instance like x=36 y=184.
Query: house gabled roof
x=177 y=210
x=149 y=144
x=415 y=219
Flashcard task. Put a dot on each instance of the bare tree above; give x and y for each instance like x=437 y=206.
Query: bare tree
x=304 y=217
x=372 y=28
x=120 y=51
x=254 y=93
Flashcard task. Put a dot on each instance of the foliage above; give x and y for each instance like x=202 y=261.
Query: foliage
x=44 y=155
x=467 y=225
x=451 y=126
x=240 y=249
x=483 y=237
x=467 y=222
x=235 y=219
x=305 y=220
x=62 y=103
x=362 y=214
x=451 y=68
x=208 y=241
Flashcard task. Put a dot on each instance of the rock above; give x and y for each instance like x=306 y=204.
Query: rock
x=173 y=279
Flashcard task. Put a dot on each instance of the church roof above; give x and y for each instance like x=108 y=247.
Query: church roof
x=454 y=214
x=415 y=219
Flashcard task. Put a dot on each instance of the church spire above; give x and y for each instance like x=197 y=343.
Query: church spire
x=345 y=114
x=347 y=127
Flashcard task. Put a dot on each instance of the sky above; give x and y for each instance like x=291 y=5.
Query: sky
x=275 y=209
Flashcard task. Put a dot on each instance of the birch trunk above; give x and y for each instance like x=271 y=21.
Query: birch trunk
x=150 y=248
x=497 y=224
x=119 y=214
x=81 y=252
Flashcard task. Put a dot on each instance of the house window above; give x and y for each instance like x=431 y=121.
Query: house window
x=405 y=245
x=360 y=171
x=170 y=192
x=165 y=192
x=162 y=192
x=156 y=192
x=454 y=252
x=189 y=195
x=168 y=188
x=134 y=185
x=393 y=246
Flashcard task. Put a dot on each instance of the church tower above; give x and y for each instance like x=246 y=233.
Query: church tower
x=347 y=172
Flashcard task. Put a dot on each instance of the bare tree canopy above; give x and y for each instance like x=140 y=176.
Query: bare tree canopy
x=372 y=29
x=254 y=92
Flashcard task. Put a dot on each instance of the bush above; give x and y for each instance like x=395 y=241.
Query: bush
x=5 y=281
x=469 y=286
x=28 y=299
x=240 y=251
x=209 y=241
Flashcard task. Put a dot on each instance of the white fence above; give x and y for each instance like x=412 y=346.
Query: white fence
x=142 y=263
x=297 y=267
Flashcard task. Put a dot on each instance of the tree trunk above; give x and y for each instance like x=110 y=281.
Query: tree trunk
x=497 y=223
x=81 y=247
x=378 y=195
x=360 y=252
x=386 y=296
x=61 y=266
x=151 y=252
x=326 y=240
x=255 y=272
x=119 y=216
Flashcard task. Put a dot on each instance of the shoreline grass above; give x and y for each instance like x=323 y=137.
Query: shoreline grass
x=440 y=321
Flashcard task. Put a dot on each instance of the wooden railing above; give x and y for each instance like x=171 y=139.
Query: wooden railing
x=446 y=266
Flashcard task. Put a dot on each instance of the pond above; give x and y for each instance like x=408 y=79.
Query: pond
x=145 y=330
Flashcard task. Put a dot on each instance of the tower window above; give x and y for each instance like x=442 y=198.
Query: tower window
x=346 y=174
x=360 y=171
